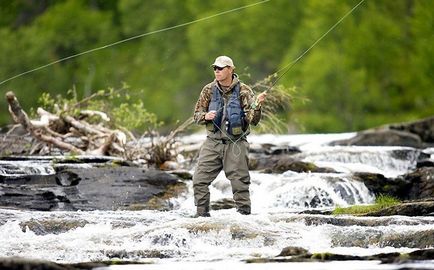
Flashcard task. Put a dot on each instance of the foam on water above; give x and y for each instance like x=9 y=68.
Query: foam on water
x=21 y=168
x=150 y=234
x=173 y=239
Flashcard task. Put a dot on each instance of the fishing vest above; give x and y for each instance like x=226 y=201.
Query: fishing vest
x=234 y=115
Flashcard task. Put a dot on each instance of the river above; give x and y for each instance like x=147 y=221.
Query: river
x=175 y=240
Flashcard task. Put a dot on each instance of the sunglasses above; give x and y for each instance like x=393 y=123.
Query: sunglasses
x=217 y=68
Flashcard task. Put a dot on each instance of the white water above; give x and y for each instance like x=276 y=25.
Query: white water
x=174 y=240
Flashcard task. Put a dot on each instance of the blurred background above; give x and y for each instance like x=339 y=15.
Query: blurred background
x=376 y=67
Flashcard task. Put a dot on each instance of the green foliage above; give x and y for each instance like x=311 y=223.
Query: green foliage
x=382 y=201
x=135 y=116
x=116 y=103
x=375 y=67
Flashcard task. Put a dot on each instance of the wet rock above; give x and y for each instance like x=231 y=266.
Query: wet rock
x=334 y=257
x=183 y=174
x=16 y=263
x=422 y=183
x=425 y=163
x=378 y=184
x=67 y=178
x=416 y=208
x=423 y=254
x=418 y=184
x=409 y=239
x=424 y=128
x=102 y=188
x=225 y=203
x=280 y=150
x=286 y=164
x=265 y=156
x=21 y=263
x=420 y=239
x=383 y=138
x=346 y=221
x=138 y=254
x=393 y=257
x=293 y=251
x=316 y=212
x=321 y=199
x=51 y=226
x=162 y=201
x=34 y=198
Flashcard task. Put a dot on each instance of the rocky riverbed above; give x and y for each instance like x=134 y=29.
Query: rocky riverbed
x=105 y=208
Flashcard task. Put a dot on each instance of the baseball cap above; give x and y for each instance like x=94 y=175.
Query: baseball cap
x=223 y=61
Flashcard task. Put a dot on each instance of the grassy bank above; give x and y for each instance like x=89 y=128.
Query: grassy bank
x=381 y=202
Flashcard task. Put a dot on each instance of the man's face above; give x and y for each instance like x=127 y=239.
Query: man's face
x=222 y=74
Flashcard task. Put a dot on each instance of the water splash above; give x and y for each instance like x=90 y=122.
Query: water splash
x=152 y=235
x=15 y=168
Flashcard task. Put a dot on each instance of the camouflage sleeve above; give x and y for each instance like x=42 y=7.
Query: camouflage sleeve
x=202 y=105
x=247 y=100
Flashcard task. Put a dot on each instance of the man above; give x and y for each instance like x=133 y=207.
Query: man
x=226 y=106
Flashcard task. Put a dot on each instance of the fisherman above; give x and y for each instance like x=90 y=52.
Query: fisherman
x=227 y=107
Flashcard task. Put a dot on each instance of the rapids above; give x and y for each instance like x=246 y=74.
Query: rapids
x=173 y=239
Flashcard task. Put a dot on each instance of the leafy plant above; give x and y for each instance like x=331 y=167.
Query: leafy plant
x=116 y=103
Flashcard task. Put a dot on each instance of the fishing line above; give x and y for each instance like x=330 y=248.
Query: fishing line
x=133 y=38
x=290 y=65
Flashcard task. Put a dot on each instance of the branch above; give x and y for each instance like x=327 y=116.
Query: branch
x=20 y=115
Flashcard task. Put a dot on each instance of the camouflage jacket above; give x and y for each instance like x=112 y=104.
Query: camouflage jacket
x=247 y=98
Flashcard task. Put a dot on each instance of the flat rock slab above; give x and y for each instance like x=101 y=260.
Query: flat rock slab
x=104 y=188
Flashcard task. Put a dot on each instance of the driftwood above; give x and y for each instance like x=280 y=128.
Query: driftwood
x=101 y=139
x=73 y=133
x=20 y=117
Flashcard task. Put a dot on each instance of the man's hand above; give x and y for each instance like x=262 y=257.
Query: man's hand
x=261 y=98
x=210 y=115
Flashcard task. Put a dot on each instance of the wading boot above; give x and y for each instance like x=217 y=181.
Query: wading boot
x=244 y=210
x=202 y=212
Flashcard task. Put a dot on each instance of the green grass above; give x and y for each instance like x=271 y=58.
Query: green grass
x=382 y=201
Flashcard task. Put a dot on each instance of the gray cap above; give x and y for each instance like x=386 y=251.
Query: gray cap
x=223 y=61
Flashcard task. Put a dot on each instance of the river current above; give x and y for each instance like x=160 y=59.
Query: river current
x=175 y=240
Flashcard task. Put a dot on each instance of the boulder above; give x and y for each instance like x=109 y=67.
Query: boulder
x=378 y=184
x=283 y=163
x=287 y=163
x=423 y=128
x=422 y=183
x=293 y=251
x=383 y=137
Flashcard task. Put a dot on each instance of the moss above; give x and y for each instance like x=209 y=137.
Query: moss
x=321 y=256
x=404 y=257
x=382 y=201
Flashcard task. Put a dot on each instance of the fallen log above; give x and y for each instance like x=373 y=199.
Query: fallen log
x=20 y=117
